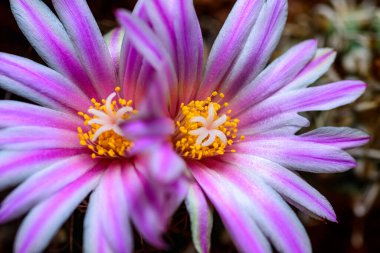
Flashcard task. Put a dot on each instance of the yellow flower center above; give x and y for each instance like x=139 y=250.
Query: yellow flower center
x=104 y=137
x=202 y=132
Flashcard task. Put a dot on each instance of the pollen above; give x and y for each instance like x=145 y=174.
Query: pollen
x=202 y=131
x=104 y=136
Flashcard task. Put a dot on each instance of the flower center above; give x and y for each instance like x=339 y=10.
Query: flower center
x=202 y=132
x=104 y=137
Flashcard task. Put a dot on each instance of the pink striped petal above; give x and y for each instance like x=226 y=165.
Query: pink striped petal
x=94 y=239
x=320 y=98
x=40 y=84
x=276 y=75
x=340 y=137
x=47 y=35
x=14 y=113
x=16 y=166
x=113 y=210
x=114 y=40
x=131 y=62
x=146 y=209
x=89 y=43
x=41 y=224
x=229 y=43
x=150 y=46
x=242 y=228
x=43 y=184
x=321 y=63
x=278 y=125
x=201 y=218
x=35 y=137
x=298 y=154
x=176 y=23
x=260 y=44
x=265 y=207
x=285 y=182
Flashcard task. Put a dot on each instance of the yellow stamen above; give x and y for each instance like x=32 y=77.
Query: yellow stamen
x=202 y=131
x=103 y=136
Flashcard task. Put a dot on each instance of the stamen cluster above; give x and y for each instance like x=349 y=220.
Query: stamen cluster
x=202 y=132
x=104 y=137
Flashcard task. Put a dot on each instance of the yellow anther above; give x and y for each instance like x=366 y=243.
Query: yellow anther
x=200 y=120
x=106 y=143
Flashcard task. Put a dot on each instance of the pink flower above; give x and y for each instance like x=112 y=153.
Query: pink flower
x=70 y=144
x=236 y=122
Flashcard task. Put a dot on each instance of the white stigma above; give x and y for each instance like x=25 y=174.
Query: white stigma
x=109 y=119
x=209 y=128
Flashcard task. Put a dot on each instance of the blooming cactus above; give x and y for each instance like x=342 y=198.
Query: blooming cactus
x=236 y=122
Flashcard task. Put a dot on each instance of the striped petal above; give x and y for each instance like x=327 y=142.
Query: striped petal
x=265 y=207
x=150 y=46
x=41 y=224
x=320 y=98
x=34 y=137
x=229 y=42
x=94 y=239
x=276 y=75
x=113 y=210
x=40 y=84
x=201 y=218
x=51 y=41
x=243 y=230
x=81 y=26
x=146 y=209
x=340 y=137
x=176 y=23
x=260 y=44
x=297 y=154
x=14 y=113
x=321 y=63
x=16 y=166
x=43 y=184
x=114 y=40
x=286 y=183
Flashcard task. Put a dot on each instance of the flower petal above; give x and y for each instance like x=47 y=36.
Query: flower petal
x=260 y=44
x=43 y=184
x=229 y=42
x=14 y=113
x=265 y=207
x=51 y=41
x=320 y=98
x=40 y=225
x=177 y=25
x=89 y=43
x=114 y=40
x=16 y=166
x=34 y=137
x=322 y=61
x=149 y=45
x=340 y=137
x=285 y=182
x=201 y=218
x=146 y=209
x=113 y=210
x=93 y=236
x=243 y=230
x=298 y=154
x=279 y=73
x=278 y=125
x=40 y=84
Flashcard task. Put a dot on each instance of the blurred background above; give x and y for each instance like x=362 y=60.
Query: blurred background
x=353 y=29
